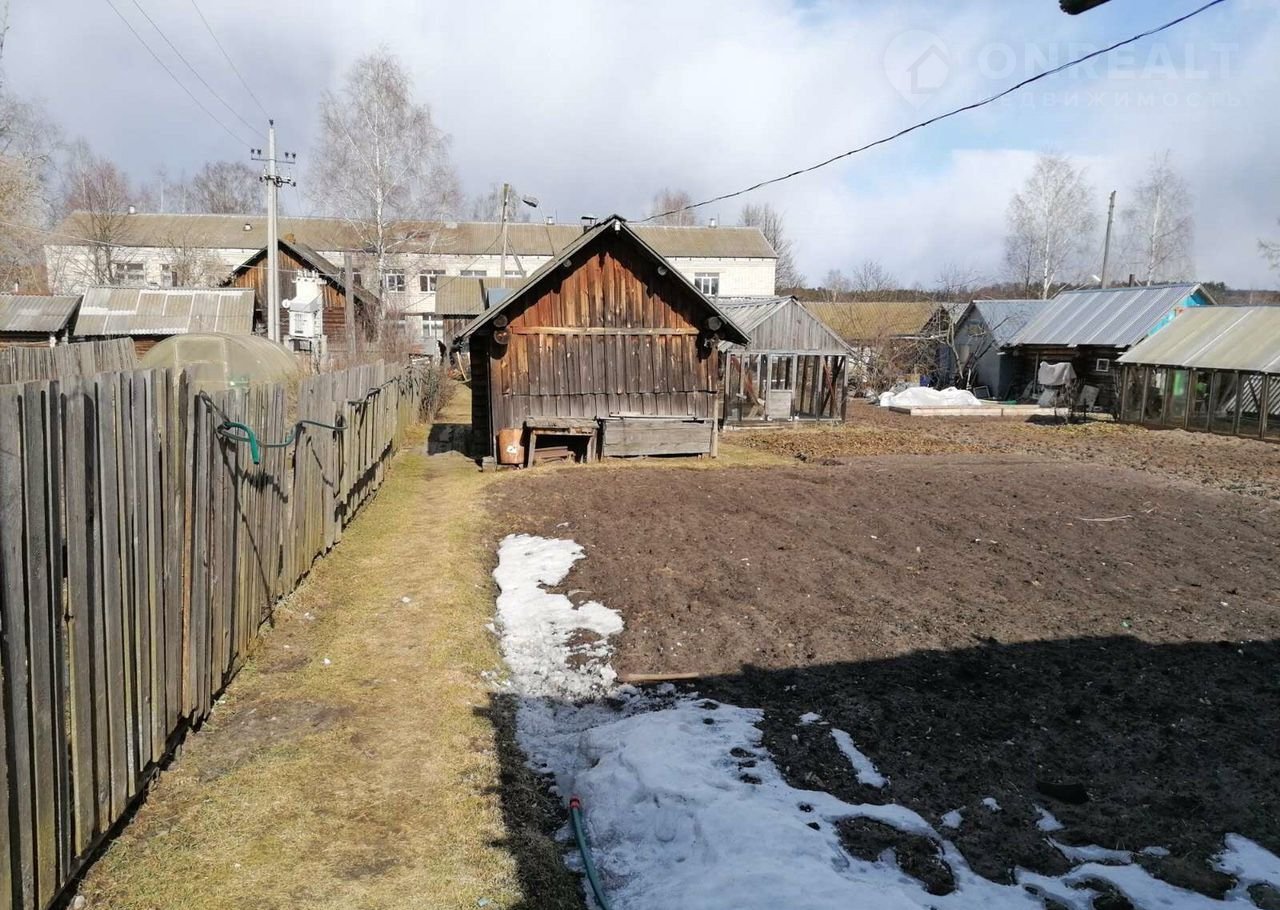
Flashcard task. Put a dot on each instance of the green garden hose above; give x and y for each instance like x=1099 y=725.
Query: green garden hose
x=580 y=835
x=256 y=445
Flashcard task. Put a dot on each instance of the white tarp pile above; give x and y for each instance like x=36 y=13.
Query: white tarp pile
x=674 y=822
x=922 y=397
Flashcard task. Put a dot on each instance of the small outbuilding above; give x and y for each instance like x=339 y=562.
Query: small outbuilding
x=460 y=299
x=27 y=320
x=606 y=349
x=148 y=315
x=1215 y=369
x=981 y=331
x=794 y=367
x=314 y=306
x=1091 y=328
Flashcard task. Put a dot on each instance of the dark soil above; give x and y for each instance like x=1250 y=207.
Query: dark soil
x=976 y=635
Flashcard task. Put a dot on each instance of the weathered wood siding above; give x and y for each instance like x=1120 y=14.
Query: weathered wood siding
x=794 y=330
x=334 y=317
x=141 y=549
x=607 y=336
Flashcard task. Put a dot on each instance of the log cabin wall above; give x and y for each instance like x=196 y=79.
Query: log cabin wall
x=334 y=317
x=609 y=335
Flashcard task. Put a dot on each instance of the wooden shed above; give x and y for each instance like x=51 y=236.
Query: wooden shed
x=794 y=367
x=606 y=349
x=299 y=261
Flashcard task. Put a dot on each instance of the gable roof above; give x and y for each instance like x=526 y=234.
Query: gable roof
x=870 y=320
x=1243 y=338
x=37 y=315
x=165 y=311
x=1004 y=319
x=459 y=238
x=619 y=224
x=314 y=260
x=1104 y=317
x=754 y=314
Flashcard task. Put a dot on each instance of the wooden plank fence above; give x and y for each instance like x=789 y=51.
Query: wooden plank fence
x=84 y=358
x=141 y=548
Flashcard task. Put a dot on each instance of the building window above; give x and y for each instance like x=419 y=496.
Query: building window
x=427 y=280
x=707 y=282
x=356 y=278
x=475 y=273
x=166 y=276
x=432 y=327
x=393 y=280
x=514 y=273
x=1102 y=365
x=127 y=273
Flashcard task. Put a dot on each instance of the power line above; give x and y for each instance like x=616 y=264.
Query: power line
x=173 y=47
x=932 y=120
x=181 y=84
x=230 y=63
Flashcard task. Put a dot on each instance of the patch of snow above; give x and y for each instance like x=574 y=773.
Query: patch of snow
x=685 y=807
x=809 y=718
x=1157 y=851
x=862 y=766
x=923 y=397
x=1046 y=821
x=1250 y=863
x=537 y=625
x=1091 y=853
x=990 y=803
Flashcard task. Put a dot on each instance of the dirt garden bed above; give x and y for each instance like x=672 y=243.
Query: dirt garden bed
x=1075 y=643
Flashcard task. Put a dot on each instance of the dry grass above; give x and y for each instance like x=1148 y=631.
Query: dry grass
x=843 y=441
x=352 y=763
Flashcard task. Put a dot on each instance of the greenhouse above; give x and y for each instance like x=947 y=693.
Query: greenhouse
x=1214 y=369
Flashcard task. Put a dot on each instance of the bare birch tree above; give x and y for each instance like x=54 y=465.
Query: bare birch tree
x=836 y=284
x=382 y=160
x=101 y=193
x=1051 y=224
x=873 y=278
x=770 y=222
x=1270 y=250
x=1159 y=225
x=672 y=207
x=488 y=206
x=28 y=142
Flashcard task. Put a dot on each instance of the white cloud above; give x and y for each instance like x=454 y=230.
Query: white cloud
x=592 y=106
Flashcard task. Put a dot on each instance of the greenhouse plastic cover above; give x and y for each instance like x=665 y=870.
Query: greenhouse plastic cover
x=922 y=397
x=217 y=362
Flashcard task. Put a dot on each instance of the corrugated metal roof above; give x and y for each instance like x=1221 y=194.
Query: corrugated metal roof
x=869 y=320
x=731 y=328
x=463 y=238
x=167 y=311
x=29 y=313
x=1215 y=338
x=749 y=312
x=1110 y=317
x=1004 y=319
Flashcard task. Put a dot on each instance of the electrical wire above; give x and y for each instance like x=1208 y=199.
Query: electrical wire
x=182 y=85
x=932 y=120
x=173 y=47
x=227 y=57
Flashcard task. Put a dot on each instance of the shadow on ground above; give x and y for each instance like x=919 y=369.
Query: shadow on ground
x=449 y=437
x=1128 y=744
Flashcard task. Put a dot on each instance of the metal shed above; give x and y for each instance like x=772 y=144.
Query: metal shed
x=980 y=332
x=793 y=366
x=1214 y=368
x=606 y=349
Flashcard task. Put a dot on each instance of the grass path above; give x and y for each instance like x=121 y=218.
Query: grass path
x=351 y=763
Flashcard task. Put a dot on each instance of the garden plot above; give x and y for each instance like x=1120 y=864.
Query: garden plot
x=1044 y=711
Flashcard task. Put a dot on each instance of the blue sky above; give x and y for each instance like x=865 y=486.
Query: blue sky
x=593 y=106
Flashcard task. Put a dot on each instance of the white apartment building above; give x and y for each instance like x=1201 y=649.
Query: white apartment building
x=164 y=250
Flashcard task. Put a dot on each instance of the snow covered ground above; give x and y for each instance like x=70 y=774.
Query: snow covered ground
x=686 y=808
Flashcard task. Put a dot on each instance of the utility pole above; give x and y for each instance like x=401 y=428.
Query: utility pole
x=502 y=260
x=1106 y=244
x=274 y=181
